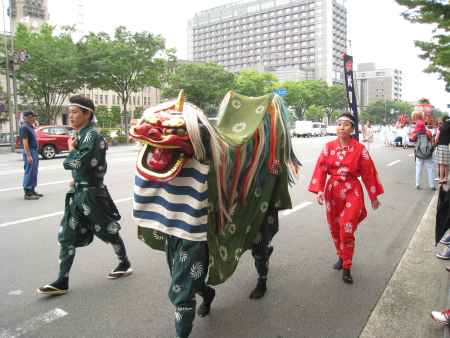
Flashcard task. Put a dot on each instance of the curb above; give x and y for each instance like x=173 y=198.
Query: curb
x=415 y=288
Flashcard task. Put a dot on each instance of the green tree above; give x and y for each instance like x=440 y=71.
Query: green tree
x=52 y=71
x=138 y=112
x=386 y=111
x=124 y=63
x=103 y=116
x=253 y=83
x=315 y=113
x=436 y=51
x=336 y=101
x=205 y=84
x=115 y=116
x=302 y=94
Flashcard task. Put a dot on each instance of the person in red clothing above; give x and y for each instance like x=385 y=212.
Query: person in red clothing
x=343 y=161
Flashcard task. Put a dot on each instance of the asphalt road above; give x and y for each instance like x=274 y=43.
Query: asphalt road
x=306 y=297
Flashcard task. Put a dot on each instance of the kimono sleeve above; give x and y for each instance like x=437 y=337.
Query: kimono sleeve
x=369 y=175
x=319 y=176
x=81 y=155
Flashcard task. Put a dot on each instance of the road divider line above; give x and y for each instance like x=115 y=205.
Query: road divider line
x=34 y=323
x=393 y=163
x=295 y=209
x=31 y=219
x=53 y=167
x=40 y=184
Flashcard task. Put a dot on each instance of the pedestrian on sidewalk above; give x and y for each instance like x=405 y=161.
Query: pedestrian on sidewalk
x=368 y=135
x=89 y=209
x=343 y=161
x=442 y=150
x=29 y=143
x=423 y=153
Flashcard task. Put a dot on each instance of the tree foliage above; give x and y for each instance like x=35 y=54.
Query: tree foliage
x=205 y=84
x=386 y=111
x=253 y=83
x=314 y=113
x=303 y=94
x=51 y=72
x=437 y=51
x=123 y=63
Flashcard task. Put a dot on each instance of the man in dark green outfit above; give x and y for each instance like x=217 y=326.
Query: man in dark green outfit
x=89 y=209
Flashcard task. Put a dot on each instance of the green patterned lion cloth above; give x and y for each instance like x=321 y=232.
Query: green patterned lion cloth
x=224 y=196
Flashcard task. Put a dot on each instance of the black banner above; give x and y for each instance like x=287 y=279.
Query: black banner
x=350 y=89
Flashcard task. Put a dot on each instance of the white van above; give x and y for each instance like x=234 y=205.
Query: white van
x=319 y=129
x=303 y=129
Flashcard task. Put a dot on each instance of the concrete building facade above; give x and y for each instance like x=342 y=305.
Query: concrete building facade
x=31 y=13
x=374 y=84
x=294 y=39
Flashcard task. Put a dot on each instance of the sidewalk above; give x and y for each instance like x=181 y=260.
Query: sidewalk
x=418 y=285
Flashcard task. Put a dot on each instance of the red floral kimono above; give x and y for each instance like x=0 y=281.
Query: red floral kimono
x=344 y=197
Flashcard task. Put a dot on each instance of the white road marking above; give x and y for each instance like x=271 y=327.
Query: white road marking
x=295 y=209
x=393 y=163
x=34 y=323
x=59 y=166
x=31 y=219
x=40 y=184
x=15 y=293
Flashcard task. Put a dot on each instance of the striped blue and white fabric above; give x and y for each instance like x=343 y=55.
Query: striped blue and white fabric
x=179 y=207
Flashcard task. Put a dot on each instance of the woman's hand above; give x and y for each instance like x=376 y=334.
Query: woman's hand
x=320 y=197
x=375 y=204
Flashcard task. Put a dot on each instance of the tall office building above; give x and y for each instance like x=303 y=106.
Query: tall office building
x=374 y=84
x=32 y=13
x=294 y=39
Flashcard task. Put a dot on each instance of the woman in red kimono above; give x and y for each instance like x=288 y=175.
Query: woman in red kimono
x=344 y=160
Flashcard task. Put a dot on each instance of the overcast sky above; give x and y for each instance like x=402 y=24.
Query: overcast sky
x=377 y=32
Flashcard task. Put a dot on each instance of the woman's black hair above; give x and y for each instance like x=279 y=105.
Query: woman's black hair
x=83 y=101
x=350 y=116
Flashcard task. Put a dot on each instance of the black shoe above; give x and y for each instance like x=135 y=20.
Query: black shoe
x=35 y=193
x=260 y=289
x=30 y=197
x=205 y=307
x=59 y=287
x=338 y=264
x=122 y=270
x=347 y=276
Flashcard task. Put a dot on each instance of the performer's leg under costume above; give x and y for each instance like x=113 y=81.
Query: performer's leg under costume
x=262 y=250
x=188 y=264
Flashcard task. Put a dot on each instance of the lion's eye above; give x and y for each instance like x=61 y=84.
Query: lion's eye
x=181 y=132
x=169 y=131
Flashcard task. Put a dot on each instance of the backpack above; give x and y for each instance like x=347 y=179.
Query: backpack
x=424 y=148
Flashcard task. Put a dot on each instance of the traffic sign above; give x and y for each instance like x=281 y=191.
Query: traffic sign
x=281 y=91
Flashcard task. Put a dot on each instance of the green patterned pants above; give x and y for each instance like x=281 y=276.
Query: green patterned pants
x=88 y=212
x=188 y=264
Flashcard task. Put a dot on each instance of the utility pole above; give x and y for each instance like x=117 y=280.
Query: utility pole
x=11 y=111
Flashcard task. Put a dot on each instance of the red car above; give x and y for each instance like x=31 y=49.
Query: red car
x=51 y=140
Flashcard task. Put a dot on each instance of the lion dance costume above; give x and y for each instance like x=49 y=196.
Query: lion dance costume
x=205 y=194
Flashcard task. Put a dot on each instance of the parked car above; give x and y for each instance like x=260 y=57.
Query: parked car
x=319 y=129
x=331 y=130
x=303 y=129
x=52 y=140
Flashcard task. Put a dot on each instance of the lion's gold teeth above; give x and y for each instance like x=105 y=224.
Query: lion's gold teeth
x=175 y=122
